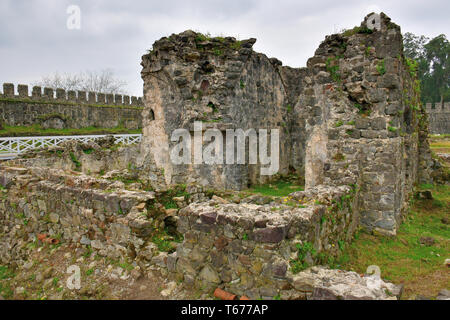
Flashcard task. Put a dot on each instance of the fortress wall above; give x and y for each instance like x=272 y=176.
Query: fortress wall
x=439 y=117
x=71 y=109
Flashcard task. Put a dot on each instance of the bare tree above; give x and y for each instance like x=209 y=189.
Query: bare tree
x=97 y=81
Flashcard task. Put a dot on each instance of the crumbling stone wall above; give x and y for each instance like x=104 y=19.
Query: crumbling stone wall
x=68 y=208
x=226 y=85
x=439 y=117
x=366 y=126
x=68 y=109
x=246 y=247
x=351 y=122
x=252 y=249
x=352 y=117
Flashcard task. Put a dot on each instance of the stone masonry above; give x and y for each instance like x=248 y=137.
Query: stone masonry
x=226 y=85
x=439 y=117
x=352 y=117
x=351 y=123
x=60 y=109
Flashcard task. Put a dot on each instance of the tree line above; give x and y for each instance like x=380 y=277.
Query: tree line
x=433 y=65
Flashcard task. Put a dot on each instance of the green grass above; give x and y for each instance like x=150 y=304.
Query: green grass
x=338 y=124
x=355 y=30
x=75 y=161
x=37 y=130
x=6 y=275
x=440 y=136
x=440 y=145
x=332 y=65
x=381 y=67
x=300 y=264
x=403 y=259
x=164 y=241
x=276 y=189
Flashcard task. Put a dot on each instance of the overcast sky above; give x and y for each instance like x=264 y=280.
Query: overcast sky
x=114 y=34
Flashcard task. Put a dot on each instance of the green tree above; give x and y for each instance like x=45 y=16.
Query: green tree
x=437 y=52
x=432 y=57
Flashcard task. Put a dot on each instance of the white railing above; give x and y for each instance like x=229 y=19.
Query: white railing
x=12 y=146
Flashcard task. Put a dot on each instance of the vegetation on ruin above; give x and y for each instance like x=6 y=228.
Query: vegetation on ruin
x=300 y=263
x=407 y=258
x=355 y=30
x=363 y=110
x=166 y=241
x=368 y=51
x=280 y=188
x=75 y=161
x=339 y=157
x=392 y=129
x=219 y=43
x=166 y=198
x=332 y=65
x=46 y=117
x=338 y=123
x=37 y=130
x=381 y=67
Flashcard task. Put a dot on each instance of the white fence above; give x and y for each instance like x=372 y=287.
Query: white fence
x=12 y=146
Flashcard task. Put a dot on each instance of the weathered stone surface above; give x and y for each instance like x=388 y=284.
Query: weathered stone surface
x=328 y=284
x=58 y=114
x=270 y=234
x=439 y=117
x=209 y=275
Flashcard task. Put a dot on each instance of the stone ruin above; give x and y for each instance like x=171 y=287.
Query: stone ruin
x=350 y=123
x=352 y=117
x=439 y=117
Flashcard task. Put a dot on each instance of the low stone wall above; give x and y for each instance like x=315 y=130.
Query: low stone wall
x=89 y=158
x=252 y=249
x=247 y=248
x=68 y=110
x=77 y=209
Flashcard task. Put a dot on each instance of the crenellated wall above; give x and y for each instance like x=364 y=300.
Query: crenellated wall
x=439 y=117
x=72 y=109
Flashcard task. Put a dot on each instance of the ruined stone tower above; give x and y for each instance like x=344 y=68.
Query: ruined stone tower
x=351 y=117
x=351 y=123
x=224 y=84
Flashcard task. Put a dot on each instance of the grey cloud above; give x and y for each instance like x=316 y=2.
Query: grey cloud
x=114 y=34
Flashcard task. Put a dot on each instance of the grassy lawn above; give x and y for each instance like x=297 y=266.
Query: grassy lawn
x=403 y=259
x=6 y=275
x=37 y=130
x=276 y=189
x=440 y=143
